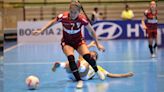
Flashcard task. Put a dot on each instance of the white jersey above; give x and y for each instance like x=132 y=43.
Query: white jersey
x=88 y=76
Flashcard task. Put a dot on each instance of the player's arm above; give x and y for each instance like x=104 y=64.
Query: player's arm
x=64 y=65
x=49 y=24
x=111 y=75
x=91 y=30
x=91 y=44
x=143 y=20
x=143 y=23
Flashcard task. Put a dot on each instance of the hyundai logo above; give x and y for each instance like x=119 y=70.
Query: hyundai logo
x=107 y=30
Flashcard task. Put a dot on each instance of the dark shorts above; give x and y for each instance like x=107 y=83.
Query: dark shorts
x=74 y=43
x=152 y=30
x=152 y=33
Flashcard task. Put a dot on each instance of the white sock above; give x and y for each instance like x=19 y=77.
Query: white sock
x=62 y=65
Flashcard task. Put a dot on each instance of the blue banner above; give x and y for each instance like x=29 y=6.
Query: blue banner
x=161 y=35
x=118 y=29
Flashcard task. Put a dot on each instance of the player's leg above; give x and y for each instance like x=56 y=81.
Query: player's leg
x=150 y=41
x=69 y=52
x=83 y=50
x=129 y=74
x=155 y=45
x=114 y=75
x=156 y=40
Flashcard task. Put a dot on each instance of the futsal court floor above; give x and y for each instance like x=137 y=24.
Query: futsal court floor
x=121 y=56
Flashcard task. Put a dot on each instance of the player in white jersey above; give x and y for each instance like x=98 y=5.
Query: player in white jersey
x=85 y=70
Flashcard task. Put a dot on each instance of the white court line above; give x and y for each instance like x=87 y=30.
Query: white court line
x=12 y=47
x=161 y=76
x=129 y=61
x=29 y=63
x=99 y=62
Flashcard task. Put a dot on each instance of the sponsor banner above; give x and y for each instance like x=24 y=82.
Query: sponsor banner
x=161 y=35
x=105 y=30
x=119 y=29
x=24 y=32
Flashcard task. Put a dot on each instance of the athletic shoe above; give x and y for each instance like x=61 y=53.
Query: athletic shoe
x=155 y=50
x=79 y=84
x=153 y=55
x=101 y=75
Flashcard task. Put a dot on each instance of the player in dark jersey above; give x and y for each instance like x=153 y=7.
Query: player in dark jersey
x=150 y=25
x=72 y=22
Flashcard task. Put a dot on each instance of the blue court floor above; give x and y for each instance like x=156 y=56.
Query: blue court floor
x=1 y=74
x=121 y=56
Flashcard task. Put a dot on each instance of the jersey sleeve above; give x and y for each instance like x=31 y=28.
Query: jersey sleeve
x=59 y=17
x=84 y=20
x=146 y=12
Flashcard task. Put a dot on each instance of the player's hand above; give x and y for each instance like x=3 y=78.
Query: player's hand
x=55 y=66
x=100 y=47
x=144 y=27
x=92 y=44
x=36 y=33
x=130 y=74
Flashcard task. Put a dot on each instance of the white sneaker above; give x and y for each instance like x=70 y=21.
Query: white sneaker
x=101 y=75
x=153 y=55
x=79 y=84
x=155 y=50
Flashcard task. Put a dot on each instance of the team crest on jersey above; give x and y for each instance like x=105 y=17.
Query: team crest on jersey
x=72 y=24
x=78 y=24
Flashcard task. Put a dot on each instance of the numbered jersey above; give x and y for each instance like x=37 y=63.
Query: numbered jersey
x=72 y=28
x=151 y=21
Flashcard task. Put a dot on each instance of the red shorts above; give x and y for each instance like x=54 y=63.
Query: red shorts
x=75 y=44
x=152 y=33
x=152 y=30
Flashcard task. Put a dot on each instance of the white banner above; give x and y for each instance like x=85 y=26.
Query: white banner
x=25 y=28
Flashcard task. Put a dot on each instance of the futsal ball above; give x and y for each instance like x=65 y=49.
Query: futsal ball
x=32 y=82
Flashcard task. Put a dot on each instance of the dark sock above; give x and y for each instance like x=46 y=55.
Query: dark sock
x=91 y=61
x=151 y=49
x=73 y=67
x=155 y=45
